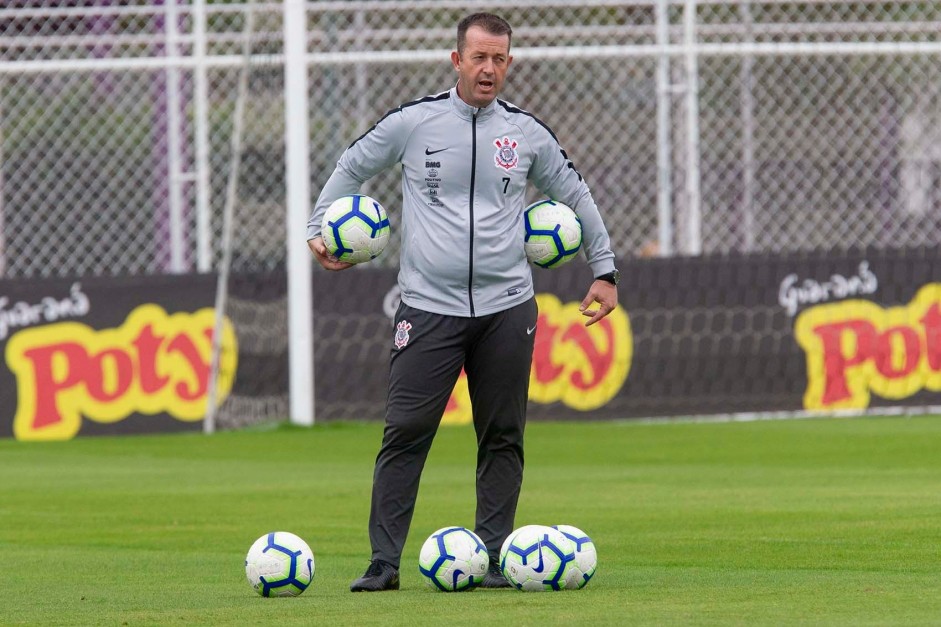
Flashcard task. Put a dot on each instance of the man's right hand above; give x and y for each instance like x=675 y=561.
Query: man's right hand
x=327 y=260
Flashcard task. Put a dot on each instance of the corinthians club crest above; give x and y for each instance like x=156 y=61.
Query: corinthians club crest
x=506 y=157
x=401 y=333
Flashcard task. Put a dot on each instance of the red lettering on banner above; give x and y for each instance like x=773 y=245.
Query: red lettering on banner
x=836 y=361
x=147 y=345
x=582 y=367
x=544 y=370
x=910 y=353
x=196 y=387
x=95 y=378
x=856 y=347
x=153 y=363
x=71 y=358
x=599 y=359
x=931 y=322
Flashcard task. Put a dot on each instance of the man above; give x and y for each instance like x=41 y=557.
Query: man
x=467 y=291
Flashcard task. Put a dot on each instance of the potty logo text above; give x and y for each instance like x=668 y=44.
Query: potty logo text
x=153 y=363
x=856 y=348
x=581 y=367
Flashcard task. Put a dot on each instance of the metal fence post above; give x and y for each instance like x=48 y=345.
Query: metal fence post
x=664 y=110
x=201 y=114
x=693 y=200
x=174 y=142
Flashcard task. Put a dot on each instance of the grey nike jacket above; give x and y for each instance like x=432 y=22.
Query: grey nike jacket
x=464 y=173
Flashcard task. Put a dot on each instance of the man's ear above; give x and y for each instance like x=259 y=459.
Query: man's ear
x=456 y=60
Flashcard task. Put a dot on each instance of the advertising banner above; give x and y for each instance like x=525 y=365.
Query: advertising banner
x=703 y=336
x=108 y=355
x=692 y=336
x=575 y=369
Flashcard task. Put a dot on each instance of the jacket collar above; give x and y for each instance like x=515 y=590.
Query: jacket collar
x=466 y=111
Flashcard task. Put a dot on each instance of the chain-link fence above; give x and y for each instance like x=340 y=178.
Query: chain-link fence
x=116 y=123
x=738 y=126
x=819 y=131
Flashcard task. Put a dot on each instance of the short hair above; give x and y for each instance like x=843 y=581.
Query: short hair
x=493 y=24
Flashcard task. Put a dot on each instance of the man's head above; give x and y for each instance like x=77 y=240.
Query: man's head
x=482 y=57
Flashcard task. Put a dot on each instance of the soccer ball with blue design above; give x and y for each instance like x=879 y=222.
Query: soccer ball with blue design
x=586 y=557
x=279 y=564
x=536 y=558
x=553 y=234
x=453 y=559
x=355 y=228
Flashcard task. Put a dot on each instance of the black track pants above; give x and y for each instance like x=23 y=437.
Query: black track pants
x=496 y=352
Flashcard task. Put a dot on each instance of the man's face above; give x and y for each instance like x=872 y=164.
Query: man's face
x=481 y=68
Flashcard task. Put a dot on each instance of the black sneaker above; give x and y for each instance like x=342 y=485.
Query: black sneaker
x=379 y=576
x=494 y=577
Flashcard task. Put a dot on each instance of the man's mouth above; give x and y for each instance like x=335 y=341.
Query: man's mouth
x=486 y=84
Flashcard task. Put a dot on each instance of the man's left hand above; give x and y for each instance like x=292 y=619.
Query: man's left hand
x=603 y=293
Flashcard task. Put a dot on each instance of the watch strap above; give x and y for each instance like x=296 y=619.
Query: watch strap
x=611 y=277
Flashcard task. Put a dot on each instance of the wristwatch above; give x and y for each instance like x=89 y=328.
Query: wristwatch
x=611 y=277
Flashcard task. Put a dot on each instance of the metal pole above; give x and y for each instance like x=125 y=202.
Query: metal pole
x=228 y=219
x=362 y=98
x=694 y=216
x=174 y=144
x=297 y=156
x=664 y=106
x=748 y=136
x=201 y=104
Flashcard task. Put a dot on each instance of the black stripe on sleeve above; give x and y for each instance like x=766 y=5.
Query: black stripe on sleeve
x=442 y=96
x=512 y=109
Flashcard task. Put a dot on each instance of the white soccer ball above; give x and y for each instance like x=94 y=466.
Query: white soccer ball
x=586 y=557
x=279 y=564
x=453 y=559
x=355 y=228
x=536 y=558
x=553 y=234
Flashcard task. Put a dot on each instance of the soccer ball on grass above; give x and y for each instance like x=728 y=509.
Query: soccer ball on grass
x=279 y=564
x=355 y=228
x=586 y=557
x=536 y=558
x=453 y=559
x=553 y=234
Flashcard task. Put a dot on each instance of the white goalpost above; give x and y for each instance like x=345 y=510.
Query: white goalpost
x=297 y=142
x=299 y=315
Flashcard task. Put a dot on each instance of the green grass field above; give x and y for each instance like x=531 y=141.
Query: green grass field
x=791 y=522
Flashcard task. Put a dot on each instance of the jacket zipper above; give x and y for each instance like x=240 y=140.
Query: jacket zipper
x=470 y=255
